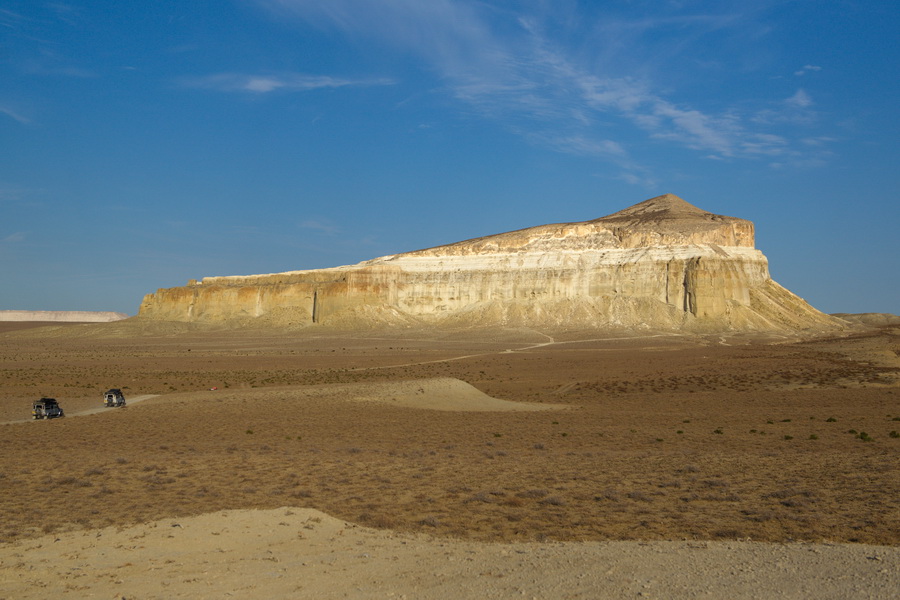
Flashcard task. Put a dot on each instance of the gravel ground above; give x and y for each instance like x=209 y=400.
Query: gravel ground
x=302 y=553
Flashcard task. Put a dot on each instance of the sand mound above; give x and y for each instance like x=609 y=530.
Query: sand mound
x=442 y=393
x=302 y=553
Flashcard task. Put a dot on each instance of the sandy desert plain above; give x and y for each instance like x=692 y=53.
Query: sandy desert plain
x=448 y=463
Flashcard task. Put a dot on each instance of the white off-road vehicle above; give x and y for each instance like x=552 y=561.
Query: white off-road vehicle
x=46 y=408
x=114 y=397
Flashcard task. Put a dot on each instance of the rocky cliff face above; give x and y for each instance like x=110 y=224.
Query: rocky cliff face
x=661 y=264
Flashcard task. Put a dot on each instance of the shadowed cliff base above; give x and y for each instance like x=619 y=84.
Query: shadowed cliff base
x=661 y=265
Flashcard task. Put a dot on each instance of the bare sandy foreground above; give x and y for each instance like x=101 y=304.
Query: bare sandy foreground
x=303 y=553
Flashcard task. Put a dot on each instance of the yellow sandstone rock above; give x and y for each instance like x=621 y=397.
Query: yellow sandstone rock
x=661 y=264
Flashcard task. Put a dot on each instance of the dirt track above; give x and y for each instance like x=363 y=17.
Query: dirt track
x=90 y=411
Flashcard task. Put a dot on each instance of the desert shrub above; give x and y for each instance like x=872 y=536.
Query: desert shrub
x=759 y=516
x=714 y=483
x=865 y=437
x=788 y=437
x=813 y=436
x=553 y=501
x=831 y=420
x=611 y=495
x=480 y=497
x=639 y=496
x=380 y=521
x=894 y=434
x=532 y=494
x=731 y=534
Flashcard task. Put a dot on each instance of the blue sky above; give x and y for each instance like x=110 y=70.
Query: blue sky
x=144 y=144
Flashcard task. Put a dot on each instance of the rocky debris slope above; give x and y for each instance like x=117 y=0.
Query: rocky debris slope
x=661 y=264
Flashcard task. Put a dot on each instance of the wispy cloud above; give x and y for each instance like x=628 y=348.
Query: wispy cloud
x=320 y=226
x=16 y=237
x=796 y=109
x=799 y=100
x=525 y=71
x=807 y=69
x=14 y=115
x=263 y=84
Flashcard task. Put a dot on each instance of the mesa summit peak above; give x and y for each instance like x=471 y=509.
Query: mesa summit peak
x=662 y=264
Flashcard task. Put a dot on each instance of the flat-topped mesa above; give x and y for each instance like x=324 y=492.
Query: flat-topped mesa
x=661 y=264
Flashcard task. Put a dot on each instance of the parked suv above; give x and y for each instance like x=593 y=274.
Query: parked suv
x=46 y=408
x=114 y=397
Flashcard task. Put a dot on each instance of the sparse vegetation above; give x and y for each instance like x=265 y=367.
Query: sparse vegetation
x=615 y=474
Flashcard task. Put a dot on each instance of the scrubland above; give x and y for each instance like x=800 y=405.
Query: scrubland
x=645 y=436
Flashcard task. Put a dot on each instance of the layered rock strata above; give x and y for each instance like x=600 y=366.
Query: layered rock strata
x=661 y=264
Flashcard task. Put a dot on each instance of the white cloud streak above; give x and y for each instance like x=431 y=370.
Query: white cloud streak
x=320 y=226
x=263 y=84
x=14 y=115
x=14 y=238
x=807 y=69
x=510 y=70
